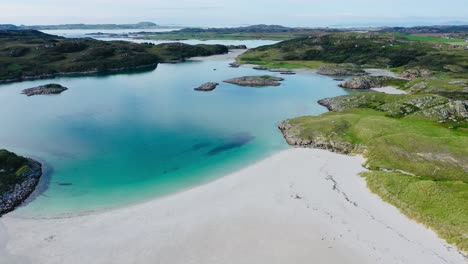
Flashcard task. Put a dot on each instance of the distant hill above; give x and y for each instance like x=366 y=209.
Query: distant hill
x=141 y=25
x=255 y=29
x=427 y=29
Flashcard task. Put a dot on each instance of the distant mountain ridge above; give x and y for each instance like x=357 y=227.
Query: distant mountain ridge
x=140 y=25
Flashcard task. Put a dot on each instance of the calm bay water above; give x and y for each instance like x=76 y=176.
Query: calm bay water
x=119 y=139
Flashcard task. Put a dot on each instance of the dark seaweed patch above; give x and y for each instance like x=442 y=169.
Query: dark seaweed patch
x=235 y=141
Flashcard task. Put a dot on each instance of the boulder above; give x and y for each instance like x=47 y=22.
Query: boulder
x=206 y=87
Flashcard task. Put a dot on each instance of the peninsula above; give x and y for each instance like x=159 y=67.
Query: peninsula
x=19 y=177
x=30 y=54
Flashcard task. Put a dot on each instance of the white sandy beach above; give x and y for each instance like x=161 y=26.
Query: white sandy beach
x=298 y=206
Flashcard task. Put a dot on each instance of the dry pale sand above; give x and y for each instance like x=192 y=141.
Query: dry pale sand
x=298 y=206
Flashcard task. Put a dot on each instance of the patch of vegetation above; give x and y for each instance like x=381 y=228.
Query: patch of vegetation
x=11 y=168
x=432 y=39
x=448 y=84
x=31 y=54
x=416 y=163
x=440 y=205
x=365 y=49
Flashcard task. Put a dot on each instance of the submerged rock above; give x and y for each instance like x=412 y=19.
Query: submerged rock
x=47 y=89
x=256 y=81
x=206 y=87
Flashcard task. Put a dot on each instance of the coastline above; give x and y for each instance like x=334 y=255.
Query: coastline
x=297 y=206
x=22 y=191
x=82 y=73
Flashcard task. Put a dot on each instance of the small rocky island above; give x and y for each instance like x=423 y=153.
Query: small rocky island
x=256 y=81
x=206 y=87
x=19 y=177
x=48 y=89
x=341 y=70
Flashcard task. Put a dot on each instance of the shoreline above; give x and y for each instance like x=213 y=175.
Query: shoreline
x=77 y=74
x=301 y=204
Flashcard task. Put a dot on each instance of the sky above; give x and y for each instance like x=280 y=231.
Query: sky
x=217 y=13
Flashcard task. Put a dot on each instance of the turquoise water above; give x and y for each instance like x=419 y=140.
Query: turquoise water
x=118 y=139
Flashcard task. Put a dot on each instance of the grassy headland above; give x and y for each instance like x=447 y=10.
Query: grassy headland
x=416 y=148
x=29 y=54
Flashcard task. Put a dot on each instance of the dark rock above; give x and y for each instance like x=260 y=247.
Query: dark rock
x=237 y=47
x=206 y=87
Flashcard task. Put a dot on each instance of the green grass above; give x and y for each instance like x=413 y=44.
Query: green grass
x=441 y=205
x=11 y=168
x=432 y=39
x=416 y=163
x=392 y=51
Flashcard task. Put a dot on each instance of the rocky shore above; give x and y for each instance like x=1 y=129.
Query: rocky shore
x=48 y=89
x=15 y=196
x=256 y=81
x=206 y=87
x=318 y=141
x=79 y=73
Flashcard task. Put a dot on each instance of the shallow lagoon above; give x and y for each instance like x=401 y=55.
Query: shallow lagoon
x=114 y=140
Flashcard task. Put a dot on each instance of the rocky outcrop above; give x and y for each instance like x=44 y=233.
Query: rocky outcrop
x=256 y=81
x=415 y=73
x=206 y=87
x=365 y=82
x=14 y=197
x=47 y=89
x=433 y=107
x=292 y=136
x=337 y=70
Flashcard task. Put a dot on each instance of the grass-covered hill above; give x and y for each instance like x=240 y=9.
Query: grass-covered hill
x=28 y=54
x=445 y=62
x=416 y=148
x=365 y=49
